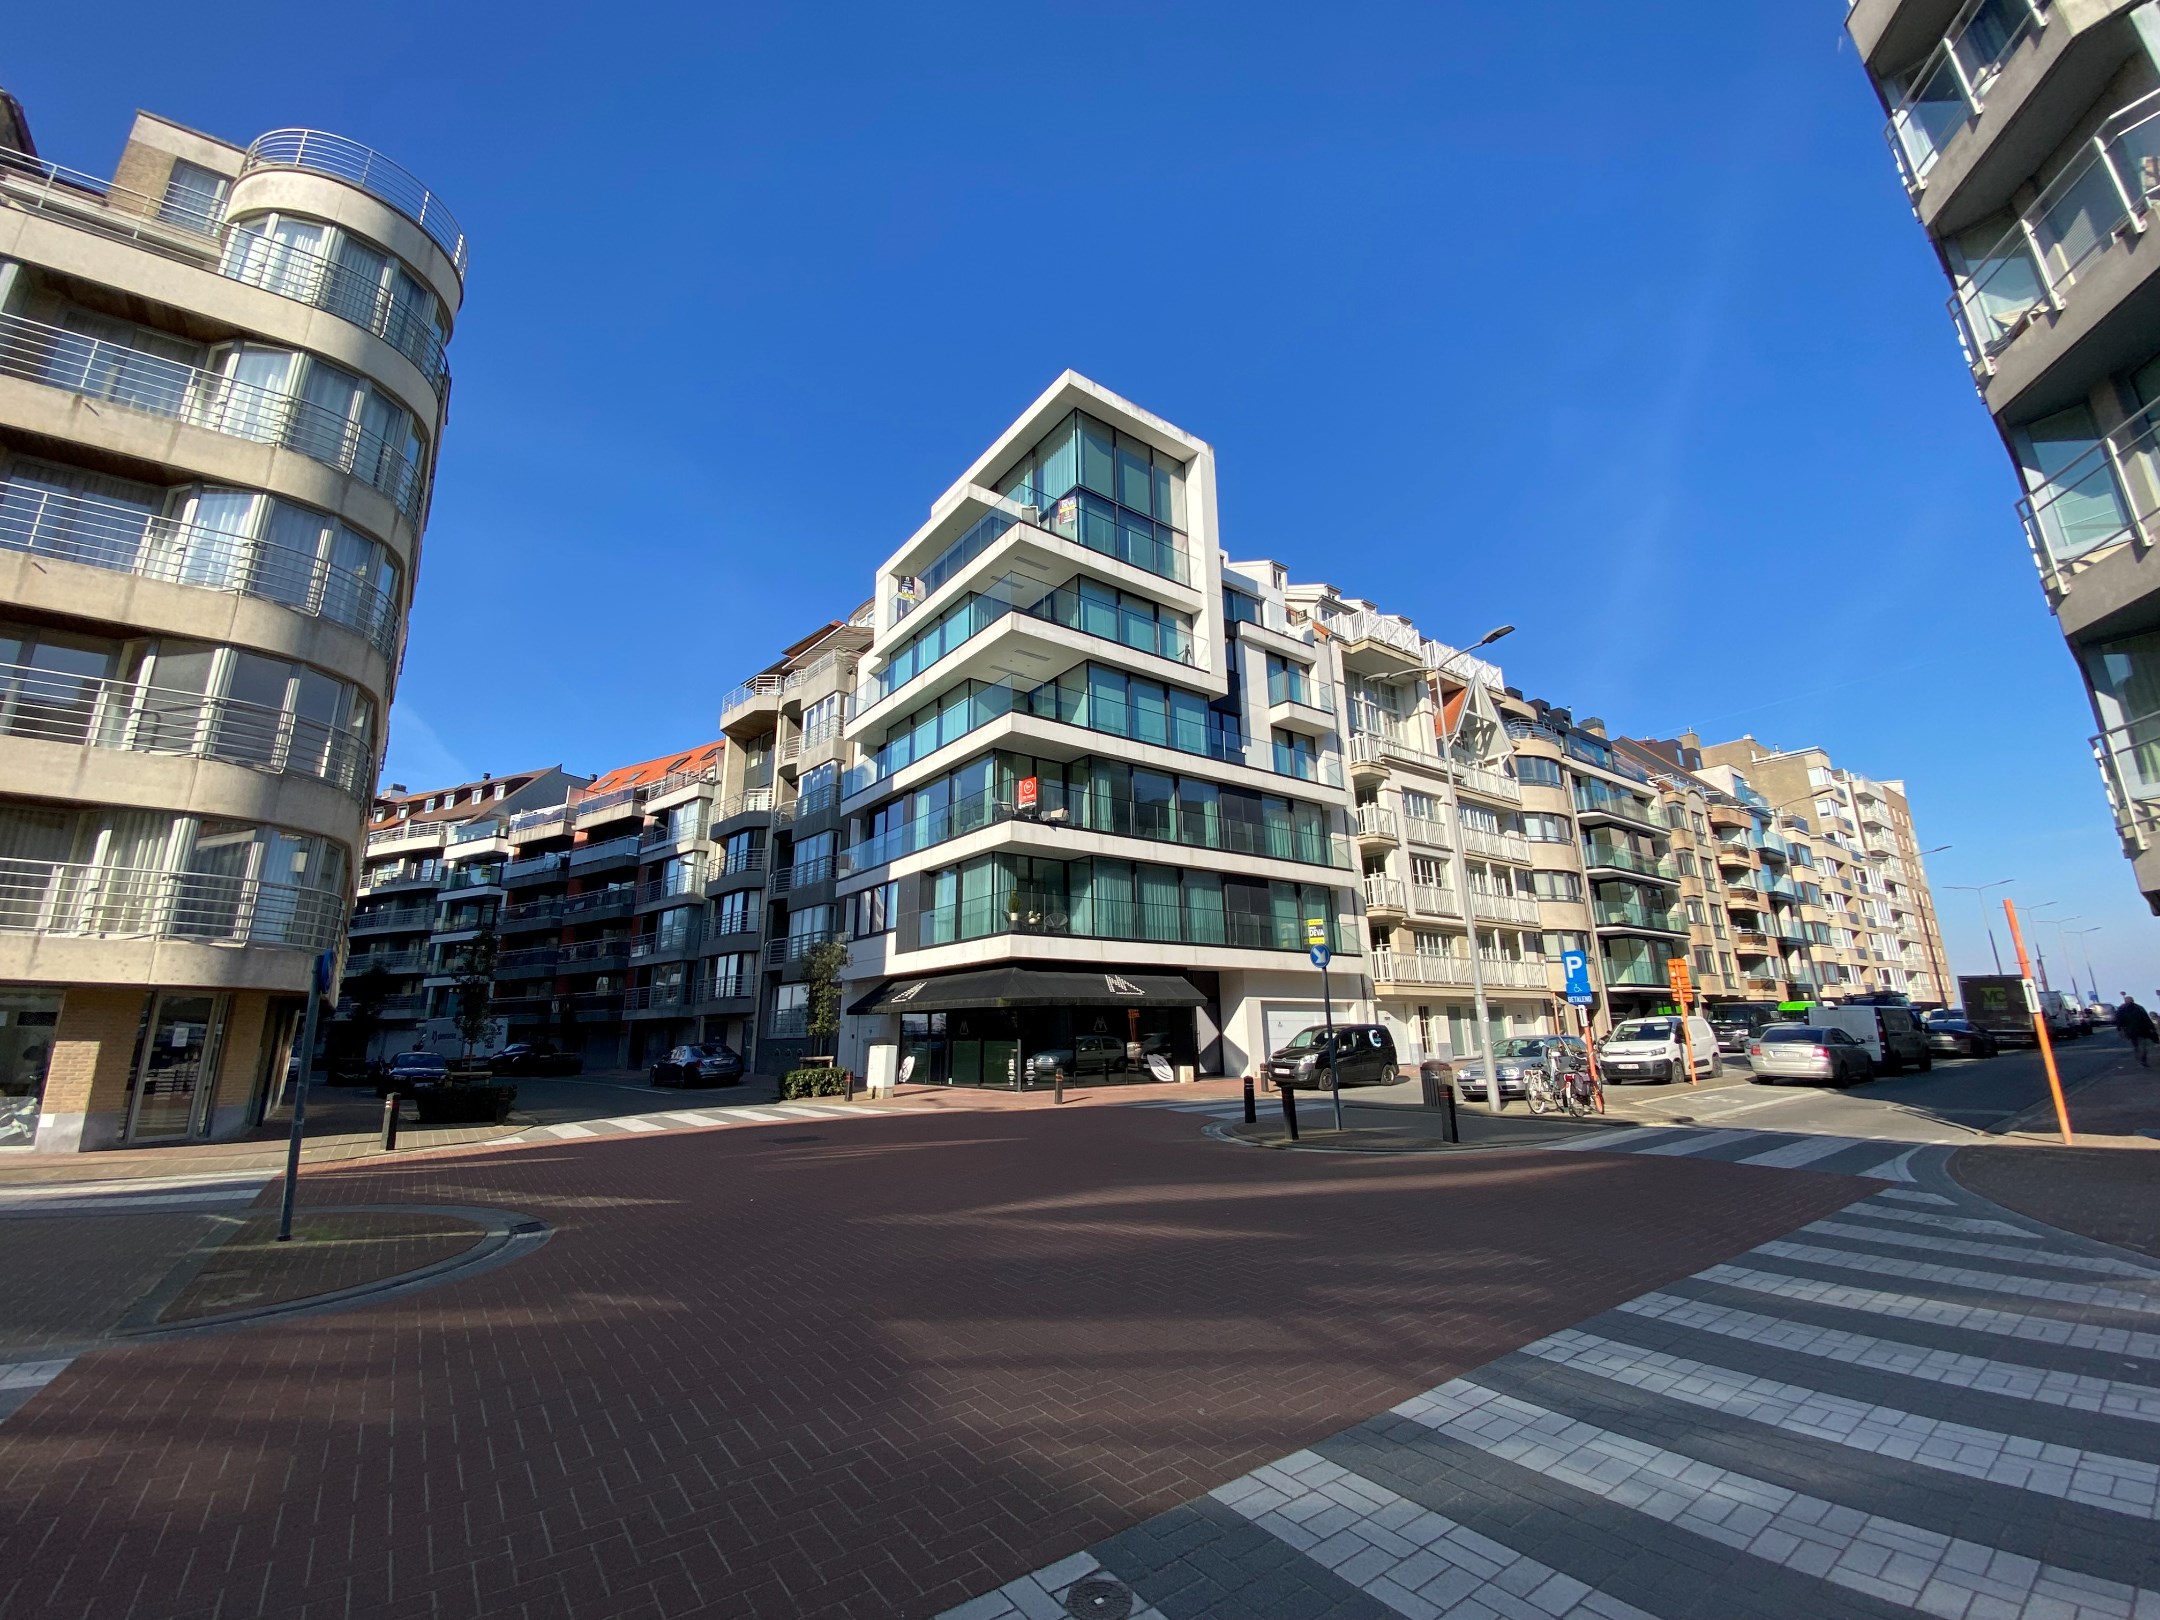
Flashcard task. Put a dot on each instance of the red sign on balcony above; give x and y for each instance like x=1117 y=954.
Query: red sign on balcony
x=1027 y=793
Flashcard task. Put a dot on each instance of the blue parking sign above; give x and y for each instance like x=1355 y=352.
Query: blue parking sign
x=1576 y=965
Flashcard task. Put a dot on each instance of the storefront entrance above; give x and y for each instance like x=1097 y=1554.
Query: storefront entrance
x=176 y=1068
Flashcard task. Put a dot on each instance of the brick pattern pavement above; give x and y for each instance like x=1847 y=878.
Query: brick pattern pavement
x=1749 y=1442
x=802 y=1370
x=329 y=1251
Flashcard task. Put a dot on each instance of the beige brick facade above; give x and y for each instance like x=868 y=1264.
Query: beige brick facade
x=86 y=1085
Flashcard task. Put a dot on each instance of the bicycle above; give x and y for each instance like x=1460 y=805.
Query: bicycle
x=1542 y=1090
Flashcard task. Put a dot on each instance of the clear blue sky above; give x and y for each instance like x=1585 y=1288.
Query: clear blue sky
x=1608 y=321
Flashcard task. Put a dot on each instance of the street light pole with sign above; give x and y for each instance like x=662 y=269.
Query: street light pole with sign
x=319 y=985
x=1683 y=989
x=1575 y=967
x=1316 y=932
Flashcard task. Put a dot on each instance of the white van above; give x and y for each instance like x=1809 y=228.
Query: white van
x=1894 y=1036
x=1648 y=1049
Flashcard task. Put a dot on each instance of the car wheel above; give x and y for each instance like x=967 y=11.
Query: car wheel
x=1388 y=1074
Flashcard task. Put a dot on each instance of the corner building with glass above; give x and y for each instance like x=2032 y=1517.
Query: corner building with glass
x=1074 y=823
x=222 y=389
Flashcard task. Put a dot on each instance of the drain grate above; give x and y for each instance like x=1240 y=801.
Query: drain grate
x=1099 y=1598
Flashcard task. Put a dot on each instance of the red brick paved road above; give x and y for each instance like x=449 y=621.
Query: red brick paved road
x=868 y=1375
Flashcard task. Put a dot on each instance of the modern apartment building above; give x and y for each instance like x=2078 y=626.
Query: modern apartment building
x=1849 y=877
x=431 y=875
x=222 y=391
x=1077 y=818
x=2027 y=133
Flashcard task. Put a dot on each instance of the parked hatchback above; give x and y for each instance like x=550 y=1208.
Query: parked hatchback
x=1808 y=1052
x=409 y=1069
x=1515 y=1061
x=1958 y=1037
x=711 y=1065
x=1364 y=1056
x=538 y=1059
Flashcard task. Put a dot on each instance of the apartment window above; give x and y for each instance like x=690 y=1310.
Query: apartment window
x=431 y=802
x=1560 y=940
x=1535 y=771
x=808 y=924
x=790 y=1011
x=1429 y=942
x=1296 y=755
x=1544 y=829
x=1702 y=825
x=1818 y=777
x=1726 y=962
x=1686 y=862
x=1290 y=683
x=1479 y=819
x=736 y=912
x=1702 y=961
x=1695 y=912
x=1420 y=806
x=1238 y=608
x=1556 y=885
x=874 y=911
x=194 y=197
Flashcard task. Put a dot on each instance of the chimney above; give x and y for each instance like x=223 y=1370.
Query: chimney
x=1593 y=725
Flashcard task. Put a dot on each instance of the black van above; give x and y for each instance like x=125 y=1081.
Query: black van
x=1364 y=1056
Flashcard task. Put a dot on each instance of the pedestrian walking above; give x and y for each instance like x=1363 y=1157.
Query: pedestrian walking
x=2135 y=1025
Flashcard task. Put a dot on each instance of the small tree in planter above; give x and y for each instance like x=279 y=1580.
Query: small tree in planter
x=475 y=984
x=821 y=1022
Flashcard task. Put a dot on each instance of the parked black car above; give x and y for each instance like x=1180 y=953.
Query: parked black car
x=1364 y=1056
x=537 y=1059
x=346 y=1070
x=1959 y=1037
x=712 y=1065
x=410 y=1069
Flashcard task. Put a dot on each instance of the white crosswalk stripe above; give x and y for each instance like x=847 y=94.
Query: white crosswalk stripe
x=1805 y=1151
x=1984 y=1375
x=2120 y=1484
x=1697 y=1142
x=1829 y=1497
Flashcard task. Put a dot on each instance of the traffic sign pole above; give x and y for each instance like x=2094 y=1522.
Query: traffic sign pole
x=1683 y=989
x=318 y=985
x=2040 y=1030
x=1316 y=941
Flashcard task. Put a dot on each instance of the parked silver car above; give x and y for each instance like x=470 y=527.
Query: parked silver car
x=1515 y=1060
x=1808 y=1052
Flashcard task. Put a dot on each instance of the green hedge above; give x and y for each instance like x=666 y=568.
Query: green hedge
x=820 y=1082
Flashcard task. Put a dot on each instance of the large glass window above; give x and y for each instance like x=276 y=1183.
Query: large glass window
x=2075 y=497
x=27 y=1019
x=175 y=1068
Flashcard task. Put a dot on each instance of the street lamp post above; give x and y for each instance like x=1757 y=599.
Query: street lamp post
x=2039 y=955
x=1979 y=893
x=1460 y=872
x=2091 y=979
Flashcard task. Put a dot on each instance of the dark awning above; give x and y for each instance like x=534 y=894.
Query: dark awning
x=1029 y=987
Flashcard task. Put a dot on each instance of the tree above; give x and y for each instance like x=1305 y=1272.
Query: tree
x=370 y=992
x=822 y=1023
x=475 y=985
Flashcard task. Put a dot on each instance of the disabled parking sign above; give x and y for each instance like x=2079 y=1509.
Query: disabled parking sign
x=1576 y=966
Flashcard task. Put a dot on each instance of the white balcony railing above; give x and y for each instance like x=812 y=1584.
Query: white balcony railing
x=1376 y=823
x=137 y=380
x=1949 y=88
x=127 y=540
x=1503 y=908
x=1488 y=784
x=2129 y=759
x=50 y=706
x=1496 y=846
x=1433 y=900
x=58 y=897
x=1384 y=894
x=1425 y=830
x=749 y=692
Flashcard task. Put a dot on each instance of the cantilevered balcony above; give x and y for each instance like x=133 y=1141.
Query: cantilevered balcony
x=1935 y=102
x=1385 y=899
x=115 y=375
x=319 y=152
x=1377 y=828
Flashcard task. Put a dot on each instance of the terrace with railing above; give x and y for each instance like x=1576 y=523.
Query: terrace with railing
x=124 y=539
x=68 y=899
x=1948 y=90
x=341 y=159
x=48 y=706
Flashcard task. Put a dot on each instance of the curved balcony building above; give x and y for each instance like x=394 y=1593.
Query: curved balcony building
x=222 y=391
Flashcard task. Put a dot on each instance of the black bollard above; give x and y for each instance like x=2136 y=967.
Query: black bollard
x=1289 y=1110
x=1450 y=1127
x=390 y=1123
x=1252 y=1113
x=1057 y=1086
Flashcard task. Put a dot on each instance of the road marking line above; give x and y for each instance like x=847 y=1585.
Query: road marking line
x=2097 y=1479
x=1939 y=1312
x=1795 y=1154
x=1912 y=1195
x=1392 y=1548
x=1696 y=1142
x=1602 y=1139
x=1860 y=1551
x=1937 y=1243
x=571 y=1130
x=1945 y=1223
x=636 y=1122
x=2015 y=1380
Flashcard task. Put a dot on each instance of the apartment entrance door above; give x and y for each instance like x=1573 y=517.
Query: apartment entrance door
x=176 y=1068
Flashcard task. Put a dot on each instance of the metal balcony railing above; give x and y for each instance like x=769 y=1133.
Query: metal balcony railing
x=64 y=898
x=50 y=706
x=1948 y=89
x=1503 y=908
x=535 y=866
x=1498 y=846
x=535 y=823
x=600 y=804
x=413 y=834
x=137 y=380
x=2129 y=759
x=1626 y=860
x=726 y=986
x=410 y=961
x=357 y=165
x=127 y=540
x=232 y=251
x=1622 y=914
x=592 y=951
x=758 y=686
x=795 y=947
x=2078 y=215
x=617 y=898
x=605 y=853
x=1453 y=972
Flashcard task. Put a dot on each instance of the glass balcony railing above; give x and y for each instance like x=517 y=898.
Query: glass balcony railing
x=2077 y=215
x=1630 y=914
x=1081 y=516
x=2129 y=760
x=1627 y=860
x=1947 y=90
x=1287 y=686
x=1281 y=833
x=1129 y=920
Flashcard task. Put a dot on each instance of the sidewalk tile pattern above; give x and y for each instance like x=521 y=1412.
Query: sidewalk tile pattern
x=1776 y=1436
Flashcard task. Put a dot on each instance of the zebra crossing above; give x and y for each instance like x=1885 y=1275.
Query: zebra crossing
x=1922 y=1404
x=1876 y=1158
x=693 y=1119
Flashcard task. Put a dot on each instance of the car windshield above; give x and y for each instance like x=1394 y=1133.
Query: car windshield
x=415 y=1060
x=1800 y=1033
x=1522 y=1047
x=1645 y=1029
x=1306 y=1039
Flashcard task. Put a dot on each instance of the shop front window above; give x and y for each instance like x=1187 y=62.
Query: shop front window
x=27 y=1018
x=175 y=1068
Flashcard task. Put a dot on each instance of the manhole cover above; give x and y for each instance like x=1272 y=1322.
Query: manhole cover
x=776 y=1141
x=1099 y=1598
